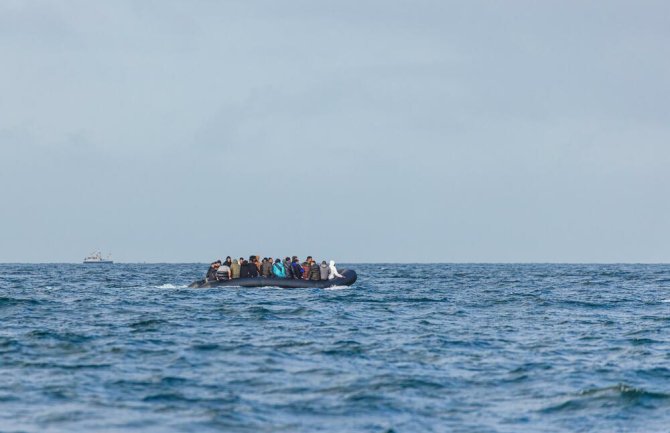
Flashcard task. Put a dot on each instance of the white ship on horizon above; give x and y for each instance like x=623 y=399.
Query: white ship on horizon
x=96 y=257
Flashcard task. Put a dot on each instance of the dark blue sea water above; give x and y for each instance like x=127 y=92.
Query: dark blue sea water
x=408 y=348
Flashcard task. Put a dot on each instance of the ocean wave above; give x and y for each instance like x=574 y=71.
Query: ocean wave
x=617 y=395
x=148 y=325
x=67 y=337
x=171 y=286
x=11 y=302
x=345 y=348
x=338 y=288
x=467 y=348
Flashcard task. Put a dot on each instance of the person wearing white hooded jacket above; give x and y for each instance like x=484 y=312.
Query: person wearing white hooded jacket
x=333 y=271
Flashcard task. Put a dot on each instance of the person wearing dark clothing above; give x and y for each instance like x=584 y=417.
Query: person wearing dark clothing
x=244 y=269
x=287 y=268
x=211 y=272
x=248 y=270
x=314 y=273
x=297 y=269
x=228 y=261
x=253 y=270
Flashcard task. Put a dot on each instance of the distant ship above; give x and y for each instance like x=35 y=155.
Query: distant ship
x=96 y=257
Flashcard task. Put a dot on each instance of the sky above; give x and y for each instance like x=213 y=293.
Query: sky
x=362 y=131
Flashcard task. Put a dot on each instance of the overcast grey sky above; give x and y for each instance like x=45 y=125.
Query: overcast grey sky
x=485 y=131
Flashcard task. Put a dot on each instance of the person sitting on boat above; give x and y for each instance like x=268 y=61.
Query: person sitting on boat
x=211 y=272
x=223 y=272
x=314 y=272
x=244 y=269
x=266 y=268
x=278 y=269
x=323 y=270
x=254 y=260
x=248 y=270
x=253 y=268
x=228 y=261
x=235 y=269
x=306 y=266
x=333 y=271
x=257 y=263
x=287 y=268
x=296 y=268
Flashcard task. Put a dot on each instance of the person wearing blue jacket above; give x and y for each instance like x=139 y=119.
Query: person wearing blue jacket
x=278 y=269
x=296 y=268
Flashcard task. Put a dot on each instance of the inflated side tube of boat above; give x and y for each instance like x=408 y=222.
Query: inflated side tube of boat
x=349 y=278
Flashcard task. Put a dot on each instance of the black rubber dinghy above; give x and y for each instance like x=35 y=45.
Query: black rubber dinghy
x=287 y=283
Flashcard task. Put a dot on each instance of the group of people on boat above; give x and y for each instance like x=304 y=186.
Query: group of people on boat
x=272 y=268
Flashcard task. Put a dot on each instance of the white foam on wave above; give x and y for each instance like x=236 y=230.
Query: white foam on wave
x=170 y=286
x=336 y=288
x=665 y=300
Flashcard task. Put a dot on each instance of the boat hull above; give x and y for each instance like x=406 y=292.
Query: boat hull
x=287 y=283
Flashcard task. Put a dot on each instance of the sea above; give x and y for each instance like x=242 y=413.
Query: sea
x=408 y=348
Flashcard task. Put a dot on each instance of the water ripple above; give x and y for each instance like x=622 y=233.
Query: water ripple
x=409 y=348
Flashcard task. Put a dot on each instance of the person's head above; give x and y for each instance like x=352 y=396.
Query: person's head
x=323 y=263
x=309 y=259
x=252 y=258
x=295 y=258
x=236 y=262
x=278 y=261
x=241 y=259
x=332 y=263
x=228 y=259
x=287 y=259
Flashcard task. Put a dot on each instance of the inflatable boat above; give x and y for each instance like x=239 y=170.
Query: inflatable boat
x=349 y=278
